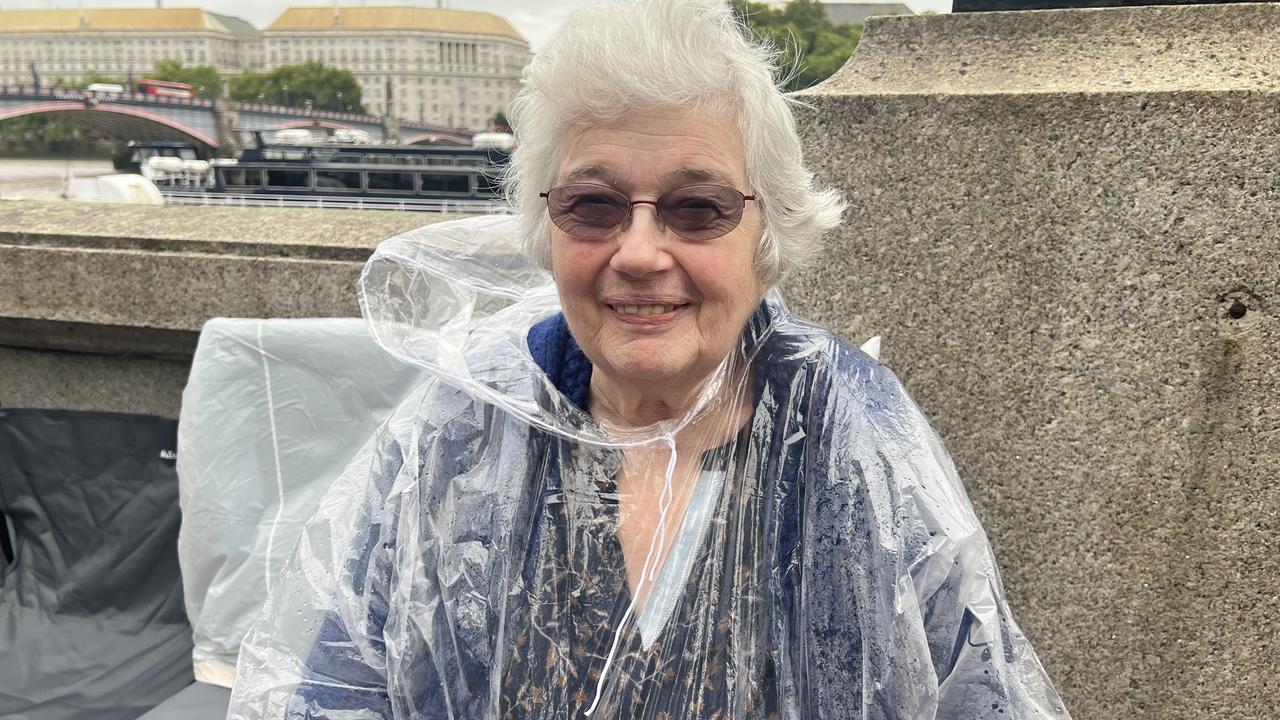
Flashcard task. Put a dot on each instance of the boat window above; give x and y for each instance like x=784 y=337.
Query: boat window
x=289 y=178
x=441 y=161
x=471 y=162
x=432 y=182
x=187 y=153
x=408 y=160
x=380 y=159
x=284 y=155
x=355 y=158
x=337 y=180
x=487 y=184
x=392 y=181
x=241 y=177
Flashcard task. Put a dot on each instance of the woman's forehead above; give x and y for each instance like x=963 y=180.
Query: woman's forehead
x=670 y=147
x=682 y=175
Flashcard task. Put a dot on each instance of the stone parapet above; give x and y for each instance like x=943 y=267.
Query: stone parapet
x=1064 y=225
x=102 y=304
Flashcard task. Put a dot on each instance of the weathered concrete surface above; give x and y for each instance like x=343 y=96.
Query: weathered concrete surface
x=1066 y=226
x=100 y=305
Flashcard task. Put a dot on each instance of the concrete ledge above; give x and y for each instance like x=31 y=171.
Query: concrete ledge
x=172 y=268
x=102 y=304
x=1064 y=224
x=340 y=235
x=1154 y=49
x=99 y=339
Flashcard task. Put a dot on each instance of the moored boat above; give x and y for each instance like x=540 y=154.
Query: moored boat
x=279 y=170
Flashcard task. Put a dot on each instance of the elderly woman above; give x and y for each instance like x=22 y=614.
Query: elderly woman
x=638 y=487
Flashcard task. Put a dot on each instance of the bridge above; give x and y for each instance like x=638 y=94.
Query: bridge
x=137 y=116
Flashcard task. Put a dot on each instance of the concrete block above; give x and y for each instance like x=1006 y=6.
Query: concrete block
x=101 y=305
x=1064 y=224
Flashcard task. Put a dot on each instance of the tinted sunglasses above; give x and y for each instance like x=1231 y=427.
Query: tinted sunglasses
x=694 y=212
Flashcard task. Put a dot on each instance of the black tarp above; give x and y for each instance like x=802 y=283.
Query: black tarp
x=92 y=623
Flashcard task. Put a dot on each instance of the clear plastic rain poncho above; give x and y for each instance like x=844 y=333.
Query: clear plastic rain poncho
x=797 y=546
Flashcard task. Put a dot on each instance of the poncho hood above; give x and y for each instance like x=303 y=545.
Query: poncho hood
x=460 y=300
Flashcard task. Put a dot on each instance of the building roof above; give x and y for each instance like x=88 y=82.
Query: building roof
x=239 y=26
x=394 y=18
x=116 y=19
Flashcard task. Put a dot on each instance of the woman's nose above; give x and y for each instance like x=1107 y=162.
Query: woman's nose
x=642 y=244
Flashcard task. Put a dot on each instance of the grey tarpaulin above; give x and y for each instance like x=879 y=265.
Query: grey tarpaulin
x=800 y=544
x=92 y=625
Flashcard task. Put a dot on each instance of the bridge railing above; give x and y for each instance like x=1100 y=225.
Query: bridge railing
x=81 y=95
x=304 y=112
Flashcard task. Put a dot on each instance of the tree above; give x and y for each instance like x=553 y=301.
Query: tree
x=328 y=88
x=204 y=79
x=500 y=122
x=811 y=49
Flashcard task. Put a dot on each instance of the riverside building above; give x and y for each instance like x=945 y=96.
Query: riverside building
x=452 y=67
x=455 y=67
x=68 y=45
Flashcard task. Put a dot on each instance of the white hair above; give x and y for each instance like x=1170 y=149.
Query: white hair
x=616 y=56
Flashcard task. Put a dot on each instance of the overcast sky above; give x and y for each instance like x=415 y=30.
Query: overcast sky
x=535 y=24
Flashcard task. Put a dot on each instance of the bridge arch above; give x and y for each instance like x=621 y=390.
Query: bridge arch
x=426 y=137
x=122 y=121
x=327 y=124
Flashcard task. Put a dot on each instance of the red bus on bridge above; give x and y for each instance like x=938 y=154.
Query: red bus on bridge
x=164 y=87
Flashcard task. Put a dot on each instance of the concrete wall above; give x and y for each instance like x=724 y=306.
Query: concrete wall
x=1066 y=226
x=100 y=305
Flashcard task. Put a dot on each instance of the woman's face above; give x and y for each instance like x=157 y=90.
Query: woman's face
x=693 y=297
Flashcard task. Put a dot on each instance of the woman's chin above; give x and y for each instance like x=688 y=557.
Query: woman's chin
x=646 y=371
x=647 y=368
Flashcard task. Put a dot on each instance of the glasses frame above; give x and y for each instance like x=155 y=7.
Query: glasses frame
x=657 y=208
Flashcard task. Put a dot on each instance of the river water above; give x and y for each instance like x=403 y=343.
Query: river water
x=43 y=178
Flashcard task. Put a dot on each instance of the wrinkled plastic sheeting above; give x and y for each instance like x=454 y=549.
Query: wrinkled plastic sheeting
x=91 y=619
x=272 y=411
x=798 y=545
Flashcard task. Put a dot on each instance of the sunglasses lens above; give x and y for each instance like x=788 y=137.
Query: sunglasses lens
x=701 y=212
x=587 y=211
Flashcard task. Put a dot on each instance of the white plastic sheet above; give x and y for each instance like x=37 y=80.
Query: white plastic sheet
x=273 y=410
x=798 y=545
